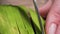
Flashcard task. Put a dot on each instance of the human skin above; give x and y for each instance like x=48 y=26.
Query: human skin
x=52 y=10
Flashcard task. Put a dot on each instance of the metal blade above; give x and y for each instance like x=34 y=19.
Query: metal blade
x=36 y=8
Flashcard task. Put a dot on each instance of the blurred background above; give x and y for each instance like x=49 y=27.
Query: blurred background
x=27 y=3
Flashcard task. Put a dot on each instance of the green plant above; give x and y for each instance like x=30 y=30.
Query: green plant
x=18 y=20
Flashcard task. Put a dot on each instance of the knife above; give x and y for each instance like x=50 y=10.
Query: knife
x=37 y=11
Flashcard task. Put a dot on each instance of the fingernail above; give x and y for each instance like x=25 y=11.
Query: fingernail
x=52 y=28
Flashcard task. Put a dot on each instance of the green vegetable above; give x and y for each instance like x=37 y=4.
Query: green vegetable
x=36 y=22
x=15 y=20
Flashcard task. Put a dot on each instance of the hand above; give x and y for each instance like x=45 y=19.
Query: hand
x=51 y=11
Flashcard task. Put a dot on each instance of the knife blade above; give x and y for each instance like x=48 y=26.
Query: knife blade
x=37 y=11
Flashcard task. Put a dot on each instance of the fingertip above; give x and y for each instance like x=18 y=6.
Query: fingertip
x=45 y=9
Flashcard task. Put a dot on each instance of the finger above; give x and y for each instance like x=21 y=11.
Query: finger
x=53 y=19
x=44 y=9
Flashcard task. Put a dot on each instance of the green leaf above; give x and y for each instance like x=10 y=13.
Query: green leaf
x=36 y=21
x=14 y=20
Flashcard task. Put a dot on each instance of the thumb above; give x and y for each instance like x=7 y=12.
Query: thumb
x=53 y=19
x=44 y=9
